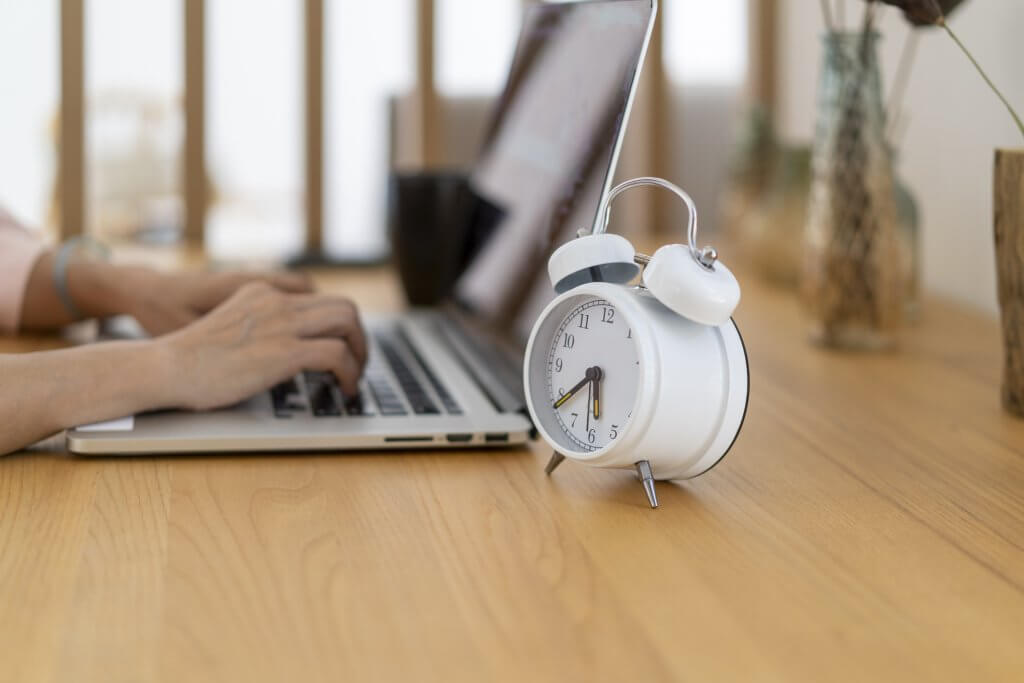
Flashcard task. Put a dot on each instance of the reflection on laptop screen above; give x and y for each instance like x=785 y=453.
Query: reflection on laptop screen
x=549 y=153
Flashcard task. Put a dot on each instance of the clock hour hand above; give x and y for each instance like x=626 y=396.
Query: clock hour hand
x=596 y=379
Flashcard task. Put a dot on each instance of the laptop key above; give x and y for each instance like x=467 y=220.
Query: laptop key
x=322 y=402
x=286 y=398
x=321 y=396
x=354 y=405
x=386 y=398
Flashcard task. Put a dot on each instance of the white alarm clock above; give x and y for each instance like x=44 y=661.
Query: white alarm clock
x=650 y=376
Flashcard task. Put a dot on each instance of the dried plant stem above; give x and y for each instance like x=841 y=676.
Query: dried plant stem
x=865 y=31
x=1006 y=103
x=826 y=12
x=894 y=107
x=869 y=16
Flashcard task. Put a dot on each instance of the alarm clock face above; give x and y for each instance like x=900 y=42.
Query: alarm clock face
x=592 y=373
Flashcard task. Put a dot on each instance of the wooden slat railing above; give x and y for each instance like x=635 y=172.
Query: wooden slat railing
x=72 y=181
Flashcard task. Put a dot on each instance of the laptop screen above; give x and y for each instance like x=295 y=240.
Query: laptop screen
x=550 y=151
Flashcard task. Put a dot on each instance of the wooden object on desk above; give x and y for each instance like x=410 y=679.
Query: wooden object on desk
x=869 y=525
x=1009 y=234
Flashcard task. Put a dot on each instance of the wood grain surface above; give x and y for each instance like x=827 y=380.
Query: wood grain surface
x=868 y=525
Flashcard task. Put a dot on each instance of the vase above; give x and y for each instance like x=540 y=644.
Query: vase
x=1009 y=228
x=852 y=286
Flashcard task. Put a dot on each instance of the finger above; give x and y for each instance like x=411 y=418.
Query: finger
x=215 y=288
x=321 y=316
x=292 y=282
x=335 y=356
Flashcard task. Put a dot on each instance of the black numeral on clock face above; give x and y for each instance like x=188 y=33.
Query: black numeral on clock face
x=558 y=365
x=584 y=321
x=608 y=315
x=569 y=341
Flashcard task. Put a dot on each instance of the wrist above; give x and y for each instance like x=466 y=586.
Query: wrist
x=110 y=380
x=149 y=367
x=160 y=365
x=102 y=290
x=165 y=358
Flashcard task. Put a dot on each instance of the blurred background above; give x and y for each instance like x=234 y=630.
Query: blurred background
x=257 y=130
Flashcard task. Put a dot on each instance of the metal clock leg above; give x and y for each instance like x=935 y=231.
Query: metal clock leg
x=553 y=463
x=643 y=468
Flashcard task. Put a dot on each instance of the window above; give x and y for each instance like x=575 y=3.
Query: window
x=368 y=59
x=474 y=42
x=705 y=42
x=254 y=118
x=29 y=39
x=133 y=90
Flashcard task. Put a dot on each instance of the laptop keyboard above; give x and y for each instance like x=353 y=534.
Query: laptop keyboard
x=390 y=386
x=414 y=392
x=451 y=406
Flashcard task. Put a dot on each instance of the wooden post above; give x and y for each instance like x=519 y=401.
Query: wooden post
x=71 y=165
x=426 y=100
x=1009 y=228
x=761 y=80
x=314 y=21
x=194 y=181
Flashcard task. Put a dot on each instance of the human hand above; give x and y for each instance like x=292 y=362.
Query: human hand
x=261 y=336
x=164 y=302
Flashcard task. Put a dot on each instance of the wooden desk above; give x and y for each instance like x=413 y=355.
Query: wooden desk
x=869 y=525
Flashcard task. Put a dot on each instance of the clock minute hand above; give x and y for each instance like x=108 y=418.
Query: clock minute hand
x=590 y=390
x=572 y=392
x=596 y=379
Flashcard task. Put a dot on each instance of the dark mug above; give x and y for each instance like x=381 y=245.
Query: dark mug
x=435 y=224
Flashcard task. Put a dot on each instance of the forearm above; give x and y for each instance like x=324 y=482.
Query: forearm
x=43 y=393
x=98 y=290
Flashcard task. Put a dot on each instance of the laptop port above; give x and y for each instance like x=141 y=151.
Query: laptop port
x=407 y=439
x=496 y=438
x=460 y=438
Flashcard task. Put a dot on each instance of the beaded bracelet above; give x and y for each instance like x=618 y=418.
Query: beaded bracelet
x=60 y=269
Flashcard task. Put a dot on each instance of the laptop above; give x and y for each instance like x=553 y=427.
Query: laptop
x=451 y=376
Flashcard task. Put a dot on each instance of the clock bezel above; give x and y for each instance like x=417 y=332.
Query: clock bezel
x=535 y=366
